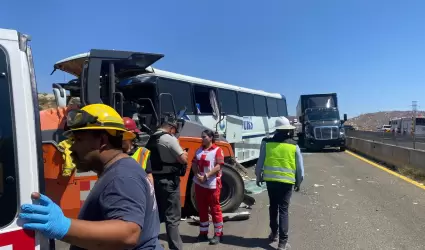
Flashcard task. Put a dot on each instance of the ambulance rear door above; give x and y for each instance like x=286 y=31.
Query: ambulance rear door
x=21 y=159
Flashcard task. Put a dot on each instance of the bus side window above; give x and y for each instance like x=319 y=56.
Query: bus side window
x=8 y=196
x=272 y=107
x=181 y=93
x=202 y=99
x=260 y=106
x=246 y=104
x=229 y=100
x=281 y=106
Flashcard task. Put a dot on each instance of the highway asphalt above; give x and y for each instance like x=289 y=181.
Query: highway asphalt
x=344 y=203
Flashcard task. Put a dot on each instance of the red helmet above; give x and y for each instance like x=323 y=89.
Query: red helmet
x=130 y=125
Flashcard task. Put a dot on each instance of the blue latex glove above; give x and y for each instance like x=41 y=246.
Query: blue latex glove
x=47 y=217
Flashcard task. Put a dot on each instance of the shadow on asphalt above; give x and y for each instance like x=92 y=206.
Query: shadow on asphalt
x=193 y=223
x=229 y=240
x=326 y=150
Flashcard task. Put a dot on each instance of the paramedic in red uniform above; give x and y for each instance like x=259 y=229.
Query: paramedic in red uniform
x=206 y=166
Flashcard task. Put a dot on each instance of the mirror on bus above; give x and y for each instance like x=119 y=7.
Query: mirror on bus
x=118 y=102
x=60 y=95
x=166 y=104
x=83 y=83
x=214 y=105
x=345 y=117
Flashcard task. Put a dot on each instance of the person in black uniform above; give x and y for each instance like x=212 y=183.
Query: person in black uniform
x=169 y=162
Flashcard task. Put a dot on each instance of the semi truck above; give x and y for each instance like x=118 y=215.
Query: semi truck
x=321 y=126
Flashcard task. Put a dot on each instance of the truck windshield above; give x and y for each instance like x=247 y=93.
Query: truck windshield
x=322 y=115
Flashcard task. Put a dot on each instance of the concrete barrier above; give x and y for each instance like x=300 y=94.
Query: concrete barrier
x=399 y=157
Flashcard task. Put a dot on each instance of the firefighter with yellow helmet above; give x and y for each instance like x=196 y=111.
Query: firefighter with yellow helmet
x=140 y=154
x=122 y=203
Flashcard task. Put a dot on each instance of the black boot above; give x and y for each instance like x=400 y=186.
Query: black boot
x=283 y=246
x=203 y=238
x=215 y=240
x=273 y=237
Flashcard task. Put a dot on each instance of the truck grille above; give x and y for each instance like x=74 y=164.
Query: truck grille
x=326 y=133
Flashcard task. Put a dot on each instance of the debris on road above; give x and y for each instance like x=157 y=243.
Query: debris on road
x=252 y=188
x=238 y=216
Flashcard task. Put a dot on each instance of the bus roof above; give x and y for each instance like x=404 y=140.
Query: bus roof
x=74 y=64
x=7 y=34
x=200 y=81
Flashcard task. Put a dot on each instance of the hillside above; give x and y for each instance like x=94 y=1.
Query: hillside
x=370 y=121
x=46 y=101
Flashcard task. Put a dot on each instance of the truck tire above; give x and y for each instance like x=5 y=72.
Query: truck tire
x=342 y=149
x=232 y=191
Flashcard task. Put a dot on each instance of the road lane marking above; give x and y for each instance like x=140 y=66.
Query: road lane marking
x=418 y=184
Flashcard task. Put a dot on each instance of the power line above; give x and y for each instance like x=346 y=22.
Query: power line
x=414 y=109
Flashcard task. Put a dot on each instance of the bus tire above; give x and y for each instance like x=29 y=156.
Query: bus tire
x=232 y=192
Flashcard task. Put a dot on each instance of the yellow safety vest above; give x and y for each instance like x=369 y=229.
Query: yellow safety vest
x=279 y=164
x=141 y=156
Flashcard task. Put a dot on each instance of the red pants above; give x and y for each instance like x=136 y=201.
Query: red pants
x=208 y=200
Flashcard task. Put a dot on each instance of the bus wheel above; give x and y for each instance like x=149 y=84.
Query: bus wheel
x=232 y=191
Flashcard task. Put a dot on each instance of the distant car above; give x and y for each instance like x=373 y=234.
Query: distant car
x=349 y=127
x=384 y=128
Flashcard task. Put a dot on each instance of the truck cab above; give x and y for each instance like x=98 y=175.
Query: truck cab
x=321 y=126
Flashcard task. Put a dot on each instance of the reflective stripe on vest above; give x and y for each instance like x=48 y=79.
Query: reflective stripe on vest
x=279 y=164
x=141 y=155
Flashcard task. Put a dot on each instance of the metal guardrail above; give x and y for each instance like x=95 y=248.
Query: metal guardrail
x=390 y=138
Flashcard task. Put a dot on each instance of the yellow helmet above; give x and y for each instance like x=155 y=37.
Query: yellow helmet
x=94 y=117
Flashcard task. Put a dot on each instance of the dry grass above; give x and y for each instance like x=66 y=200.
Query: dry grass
x=46 y=101
x=413 y=173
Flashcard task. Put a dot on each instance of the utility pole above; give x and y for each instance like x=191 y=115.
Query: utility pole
x=414 y=109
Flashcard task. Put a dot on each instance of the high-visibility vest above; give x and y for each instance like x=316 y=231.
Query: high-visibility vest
x=141 y=156
x=280 y=164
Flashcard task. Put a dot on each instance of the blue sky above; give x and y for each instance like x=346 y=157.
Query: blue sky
x=372 y=53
